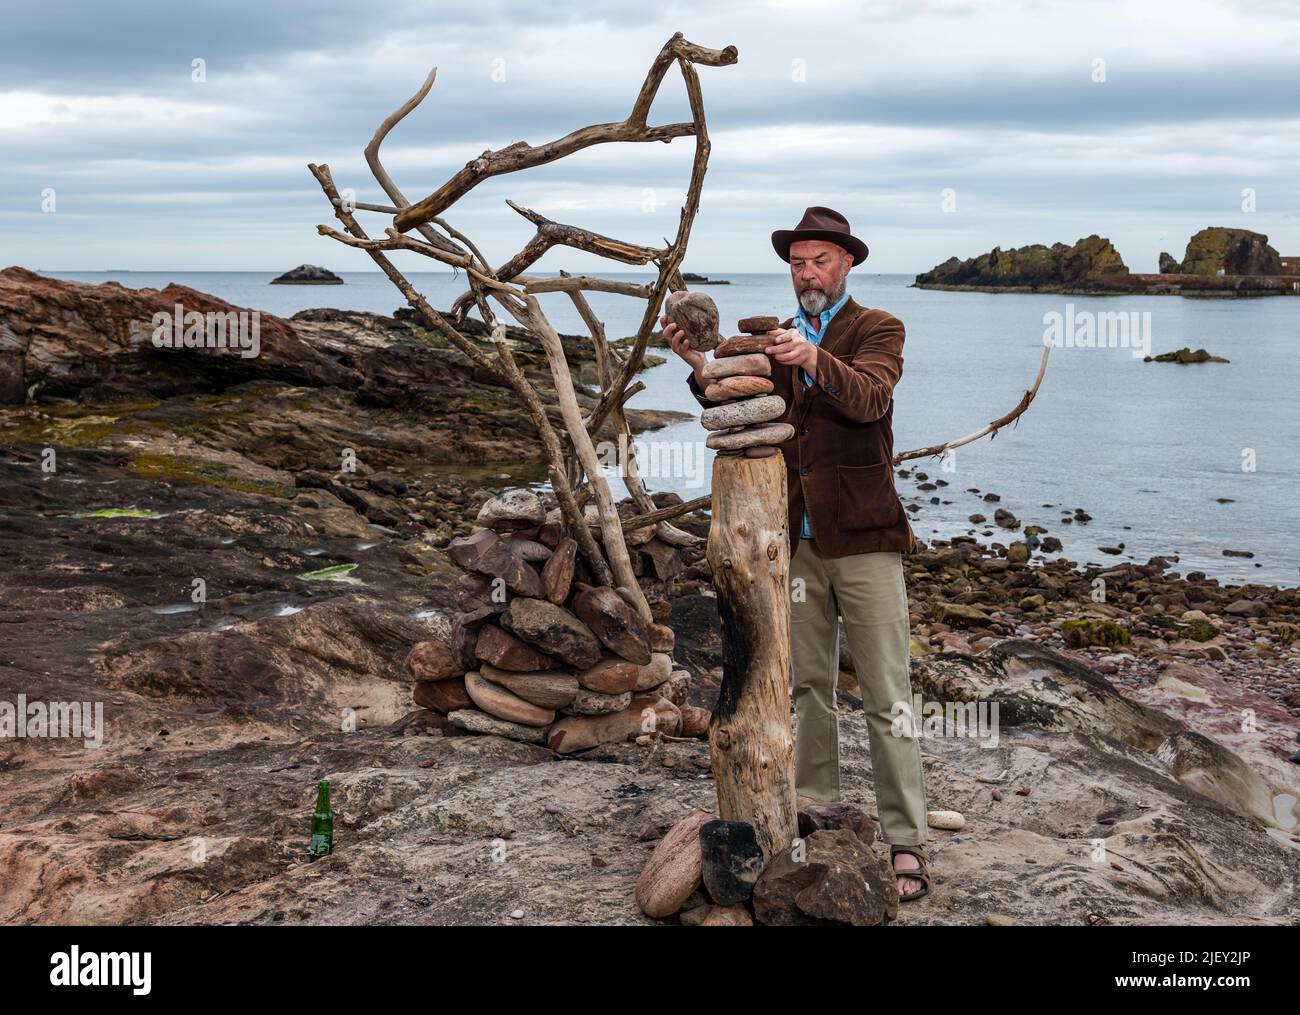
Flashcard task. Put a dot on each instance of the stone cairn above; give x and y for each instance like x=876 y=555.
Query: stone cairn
x=540 y=655
x=739 y=375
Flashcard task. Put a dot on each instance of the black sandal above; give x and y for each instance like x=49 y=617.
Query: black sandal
x=922 y=874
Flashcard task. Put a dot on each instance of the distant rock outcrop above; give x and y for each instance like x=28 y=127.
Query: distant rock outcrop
x=1184 y=355
x=308 y=274
x=1236 y=251
x=1091 y=263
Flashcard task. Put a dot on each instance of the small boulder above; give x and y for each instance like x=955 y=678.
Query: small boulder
x=488 y=554
x=512 y=509
x=432 y=660
x=554 y=630
x=841 y=881
x=614 y=622
x=674 y=869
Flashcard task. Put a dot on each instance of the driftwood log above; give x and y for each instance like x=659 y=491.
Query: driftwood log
x=751 y=740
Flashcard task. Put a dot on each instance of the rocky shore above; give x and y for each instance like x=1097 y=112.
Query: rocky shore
x=312 y=496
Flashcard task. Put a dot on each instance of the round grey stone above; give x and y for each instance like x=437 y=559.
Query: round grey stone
x=747 y=410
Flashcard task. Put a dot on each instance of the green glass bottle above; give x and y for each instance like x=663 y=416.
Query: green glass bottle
x=322 y=824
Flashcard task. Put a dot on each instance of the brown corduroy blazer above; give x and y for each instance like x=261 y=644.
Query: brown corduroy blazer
x=840 y=459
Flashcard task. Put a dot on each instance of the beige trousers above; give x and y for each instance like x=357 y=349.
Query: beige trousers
x=868 y=591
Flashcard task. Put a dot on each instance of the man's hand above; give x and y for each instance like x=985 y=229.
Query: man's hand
x=681 y=345
x=786 y=345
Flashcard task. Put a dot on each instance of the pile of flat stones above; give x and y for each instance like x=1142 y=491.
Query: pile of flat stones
x=739 y=375
x=538 y=655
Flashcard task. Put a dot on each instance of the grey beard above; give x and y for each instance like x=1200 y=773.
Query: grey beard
x=815 y=301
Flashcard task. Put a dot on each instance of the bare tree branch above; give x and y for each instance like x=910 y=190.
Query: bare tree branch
x=663 y=514
x=611 y=526
x=989 y=429
x=669 y=275
x=522 y=155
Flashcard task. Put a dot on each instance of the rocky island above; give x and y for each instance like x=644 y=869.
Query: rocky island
x=1218 y=261
x=1185 y=355
x=308 y=274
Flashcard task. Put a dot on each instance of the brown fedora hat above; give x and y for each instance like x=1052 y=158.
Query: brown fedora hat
x=820 y=224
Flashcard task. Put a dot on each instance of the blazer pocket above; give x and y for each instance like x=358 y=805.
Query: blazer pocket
x=866 y=498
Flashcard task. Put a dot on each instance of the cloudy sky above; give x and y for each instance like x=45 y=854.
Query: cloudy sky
x=1047 y=121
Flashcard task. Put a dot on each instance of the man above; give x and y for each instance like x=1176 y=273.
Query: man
x=836 y=364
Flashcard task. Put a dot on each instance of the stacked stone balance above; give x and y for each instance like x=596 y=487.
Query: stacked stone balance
x=740 y=376
x=539 y=655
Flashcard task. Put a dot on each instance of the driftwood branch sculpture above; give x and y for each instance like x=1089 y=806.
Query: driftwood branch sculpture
x=571 y=456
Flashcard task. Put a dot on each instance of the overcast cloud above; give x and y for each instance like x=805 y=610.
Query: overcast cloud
x=872 y=108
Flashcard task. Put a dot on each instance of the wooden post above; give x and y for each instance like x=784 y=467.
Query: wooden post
x=751 y=740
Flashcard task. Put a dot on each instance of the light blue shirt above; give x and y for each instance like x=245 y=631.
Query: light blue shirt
x=804 y=327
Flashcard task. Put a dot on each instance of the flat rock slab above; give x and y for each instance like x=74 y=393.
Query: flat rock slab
x=755 y=364
x=553 y=689
x=635 y=537
x=480 y=722
x=773 y=433
x=739 y=386
x=663 y=559
x=758 y=325
x=505 y=704
x=751 y=410
x=741 y=345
